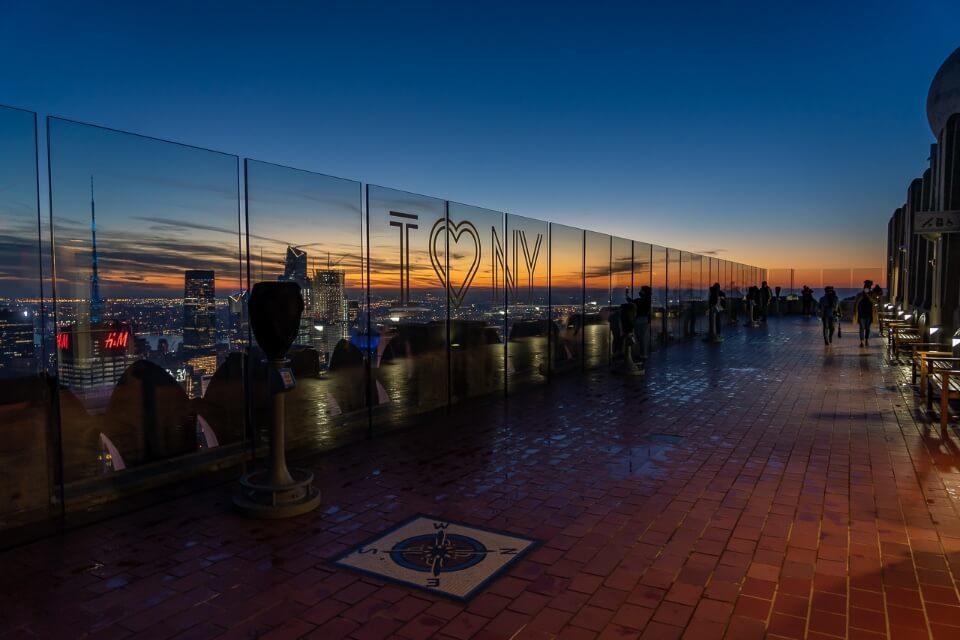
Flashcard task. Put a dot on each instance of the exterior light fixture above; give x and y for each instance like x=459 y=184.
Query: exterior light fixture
x=318 y=327
x=909 y=316
x=900 y=313
x=933 y=330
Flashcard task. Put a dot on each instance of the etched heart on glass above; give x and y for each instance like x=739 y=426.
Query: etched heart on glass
x=455 y=231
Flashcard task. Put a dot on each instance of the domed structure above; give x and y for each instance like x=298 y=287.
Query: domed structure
x=943 y=100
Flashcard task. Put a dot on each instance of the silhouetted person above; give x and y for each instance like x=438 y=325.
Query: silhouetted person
x=715 y=302
x=877 y=293
x=865 y=312
x=752 y=302
x=828 y=308
x=806 y=301
x=766 y=297
x=641 y=327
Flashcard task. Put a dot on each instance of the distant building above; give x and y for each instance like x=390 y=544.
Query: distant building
x=295 y=270
x=92 y=358
x=239 y=323
x=295 y=267
x=331 y=310
x=16 y=342
x=330 y=301
x=200 y=321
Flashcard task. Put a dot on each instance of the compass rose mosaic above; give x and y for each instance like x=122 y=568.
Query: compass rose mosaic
x=442 y=557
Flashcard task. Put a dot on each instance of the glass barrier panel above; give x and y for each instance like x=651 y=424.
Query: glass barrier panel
x=698 y=290
x=621 y=269
x=674 y=320
x=408 y=305
x=522 y=254
x=476 y=291
x=782 y=278
x=808 y=278
x=658 y=305
x=642 y=273
x=598 y=308
x=621 y=285
x=841 y=280
x=566 y=297
x=685 y=295
x=147 y=250
x=305 y=227
x=874 y=274
x=29 y=474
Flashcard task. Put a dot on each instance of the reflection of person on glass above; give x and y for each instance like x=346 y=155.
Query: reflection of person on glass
x=641 y=327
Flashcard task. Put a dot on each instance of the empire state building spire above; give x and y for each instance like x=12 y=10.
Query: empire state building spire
x=96 y=302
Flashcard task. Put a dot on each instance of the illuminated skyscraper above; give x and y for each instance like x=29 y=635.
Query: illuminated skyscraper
x=16 y=342
x=330 y=310
x=239 y=324
x=200 y=320
x=295 y=270
x=330 y=302
x=295 y=267
x=92 y=359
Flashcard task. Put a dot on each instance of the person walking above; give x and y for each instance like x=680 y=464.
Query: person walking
x=865 y=312
x=828 y=308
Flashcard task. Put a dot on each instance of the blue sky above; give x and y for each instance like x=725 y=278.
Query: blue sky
x=782 y=134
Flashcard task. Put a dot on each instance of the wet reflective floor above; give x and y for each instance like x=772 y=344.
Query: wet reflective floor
x=766 y=487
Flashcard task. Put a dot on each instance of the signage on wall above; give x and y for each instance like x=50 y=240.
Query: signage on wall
x=936 y=222
x=117 y=340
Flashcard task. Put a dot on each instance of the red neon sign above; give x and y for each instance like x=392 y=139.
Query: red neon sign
x=63 y=341
x=116 y=340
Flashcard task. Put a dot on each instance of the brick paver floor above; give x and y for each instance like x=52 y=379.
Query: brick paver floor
x=807 y=498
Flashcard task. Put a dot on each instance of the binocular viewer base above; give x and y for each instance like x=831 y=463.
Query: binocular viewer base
x=261 y=499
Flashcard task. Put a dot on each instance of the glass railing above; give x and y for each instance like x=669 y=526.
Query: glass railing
x=127 y=364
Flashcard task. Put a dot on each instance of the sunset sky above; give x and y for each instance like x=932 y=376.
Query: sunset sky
x=778 y=135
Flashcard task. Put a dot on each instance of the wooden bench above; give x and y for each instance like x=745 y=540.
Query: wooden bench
x=921 y=350
x=944 y=384
x=900 y=336
x=886 y=317
x=924 y=361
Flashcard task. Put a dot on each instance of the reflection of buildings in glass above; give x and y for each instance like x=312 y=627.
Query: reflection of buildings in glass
x=199 y=322
x=16 y=341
